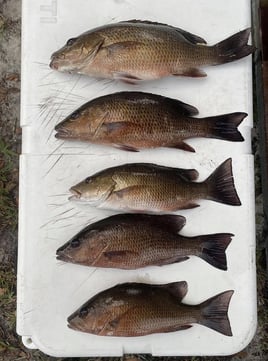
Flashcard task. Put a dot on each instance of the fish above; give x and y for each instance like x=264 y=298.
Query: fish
x=136 y=120
x=131 y=241
x=147 y=187
x=138 y=309
x=137 y=50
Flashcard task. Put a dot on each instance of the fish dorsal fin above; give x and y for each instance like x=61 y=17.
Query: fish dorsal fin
x=172 y=222
x=188 y=175
x=181 y=107
x=177 y=289
x=192 y=38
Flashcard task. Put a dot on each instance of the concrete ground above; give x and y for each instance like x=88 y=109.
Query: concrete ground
x=11 y=348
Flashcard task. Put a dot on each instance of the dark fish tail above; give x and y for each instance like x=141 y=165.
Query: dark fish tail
x=214 y=313
x=221 y=186
x=233 y=48
x=225 y=126
x=213 y=249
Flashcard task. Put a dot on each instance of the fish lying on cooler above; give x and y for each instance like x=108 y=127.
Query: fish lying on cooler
x=131 y=241
x=143 y=50
x=134 y=120
x=145 y=187
x=136 y=309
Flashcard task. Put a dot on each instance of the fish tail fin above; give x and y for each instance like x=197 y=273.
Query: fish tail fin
x=233 y=48
x=225 y=126
x=213 y=249
x=221 y=186
x=214 y=313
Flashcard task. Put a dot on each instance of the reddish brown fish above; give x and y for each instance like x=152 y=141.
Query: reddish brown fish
x=145 y=187
x=137 y=50
x=131 y=241
x=136 y=309
x=135 y=120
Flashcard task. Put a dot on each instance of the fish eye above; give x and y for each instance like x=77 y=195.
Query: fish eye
x=75 y=243
x=74 y=115
x=88 y=180
x=83 y=312
x=71 y=41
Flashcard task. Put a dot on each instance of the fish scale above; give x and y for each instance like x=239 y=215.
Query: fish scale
x=136 y=120
x=142 y=50
x=130 y=241
x=135 y=309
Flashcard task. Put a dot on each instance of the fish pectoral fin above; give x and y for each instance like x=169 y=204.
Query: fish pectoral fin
x=192 y=72
x=128 y=190
x=126 y=77
x=115 y=126
x=117 y=255
x=183 y=146
x=113 y=49
x=125 y=147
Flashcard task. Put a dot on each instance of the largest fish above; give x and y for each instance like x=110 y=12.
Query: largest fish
x=143 y=50
x=146 y=187
x=136 y=309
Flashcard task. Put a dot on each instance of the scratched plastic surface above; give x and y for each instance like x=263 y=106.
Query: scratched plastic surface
x=49 y=290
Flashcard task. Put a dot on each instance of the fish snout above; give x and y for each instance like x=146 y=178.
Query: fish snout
x=62 y=131
x=54 y=64
x=76 y=194
x=56 y=58
x=61 y=256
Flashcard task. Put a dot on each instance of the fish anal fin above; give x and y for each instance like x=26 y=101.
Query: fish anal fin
x=184 y=327
x=175 y=259
x=126 y=77
x=192 y=72
x=125 y=147
x=176 y=289
x=183 y=146
x=189 y=205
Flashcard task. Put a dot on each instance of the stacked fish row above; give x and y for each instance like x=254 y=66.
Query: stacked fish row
x=133 y=51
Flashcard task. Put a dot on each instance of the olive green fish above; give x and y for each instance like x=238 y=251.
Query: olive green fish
x=145 y=187
x=137 y=50
x=131 y=241
x=136 y=309
x=135 y=120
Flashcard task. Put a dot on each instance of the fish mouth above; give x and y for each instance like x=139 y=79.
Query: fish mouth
x=63 y=257
x=54 y=64
x=76 y=194
x=62 y=133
